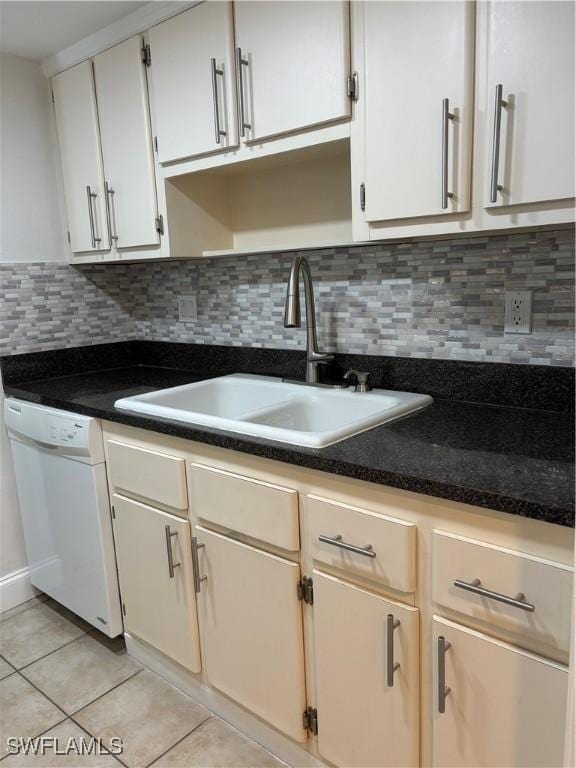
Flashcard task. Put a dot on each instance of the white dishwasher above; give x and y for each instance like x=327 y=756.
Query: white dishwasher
x=63 y=494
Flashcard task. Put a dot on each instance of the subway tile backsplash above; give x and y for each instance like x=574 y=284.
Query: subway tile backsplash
x=435 y=299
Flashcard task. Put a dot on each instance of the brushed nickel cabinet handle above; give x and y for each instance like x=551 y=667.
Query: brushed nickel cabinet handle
x=443 y=690
x=196 y=565
x=112 y=234
x=498 y=104
x=218 y=132
x=241 y=62
x=93 y=233
x=171 y=563
x=446 y=117
x=391 y=665
x=337 y=541
x=475 y=586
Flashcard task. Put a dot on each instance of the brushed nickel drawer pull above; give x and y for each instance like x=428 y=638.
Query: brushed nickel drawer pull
x=443 y=689
x=476 y=587
x=391 y=665
x=499 y=103
x=337 y=541
x=171 y=563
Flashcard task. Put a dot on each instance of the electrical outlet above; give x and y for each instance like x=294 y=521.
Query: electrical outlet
x=187 y=309
x=518 y=312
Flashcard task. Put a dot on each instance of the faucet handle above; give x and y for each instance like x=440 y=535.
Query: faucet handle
x=362 y=383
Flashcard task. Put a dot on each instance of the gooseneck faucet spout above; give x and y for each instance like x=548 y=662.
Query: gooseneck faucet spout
x=293 y=319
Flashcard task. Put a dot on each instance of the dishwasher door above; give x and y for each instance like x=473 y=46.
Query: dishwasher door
x=68 y=528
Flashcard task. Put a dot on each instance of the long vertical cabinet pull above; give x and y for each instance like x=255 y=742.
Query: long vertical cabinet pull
x=218 y=132
x=443 y=689
x=112 y=231
x=499 y=103
x=91 y=196
x=171 y=564
x=241 y=62
x=446 y=117
x=196 y=565
x=391 y=665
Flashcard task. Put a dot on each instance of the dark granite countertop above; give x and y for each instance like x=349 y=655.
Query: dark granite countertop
x=488 y=454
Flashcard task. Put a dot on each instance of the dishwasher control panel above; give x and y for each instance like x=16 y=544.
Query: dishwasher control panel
x=64 y=431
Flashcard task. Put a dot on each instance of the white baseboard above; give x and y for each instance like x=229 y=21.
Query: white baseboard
x=15 y=588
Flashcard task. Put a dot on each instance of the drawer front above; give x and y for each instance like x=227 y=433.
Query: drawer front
x=257 y=509
x=148 y=474
x=392 y=557
x=547 y=586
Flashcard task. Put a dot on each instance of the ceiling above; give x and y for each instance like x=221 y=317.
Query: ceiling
x=35 y=30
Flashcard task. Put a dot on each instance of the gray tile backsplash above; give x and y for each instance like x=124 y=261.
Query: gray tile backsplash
x=437 y=298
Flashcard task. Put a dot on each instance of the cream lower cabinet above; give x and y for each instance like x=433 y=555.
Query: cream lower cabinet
x=503 y=706
x=252 y=636
x=367 y=676
x=153 y=551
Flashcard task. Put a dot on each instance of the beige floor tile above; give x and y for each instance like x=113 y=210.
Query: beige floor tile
x=216 y=745
x=63 y=734
x=32 y=634
x=5 y=669
x=147 y=713
x=24 y=711
x=81 y=671
x=32 y=603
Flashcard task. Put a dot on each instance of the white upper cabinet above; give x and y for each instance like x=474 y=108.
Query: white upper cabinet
x=193 y=82
x=293 y=61
x=529 y=102
x=79 y=140
x=418 y=95
x=126 y=145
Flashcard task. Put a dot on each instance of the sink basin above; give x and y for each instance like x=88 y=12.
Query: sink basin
x=267 y=407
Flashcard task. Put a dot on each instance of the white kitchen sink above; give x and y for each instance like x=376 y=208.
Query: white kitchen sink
x=271 y=408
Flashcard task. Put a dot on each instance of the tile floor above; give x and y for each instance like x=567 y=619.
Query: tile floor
x=62 y=679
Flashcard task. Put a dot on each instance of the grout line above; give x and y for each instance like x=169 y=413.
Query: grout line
x=43 y=694
x=148 y=765
x=37 y=604
x=69 y=642
x=76 y=711
x=37 y=736
x=86 y=731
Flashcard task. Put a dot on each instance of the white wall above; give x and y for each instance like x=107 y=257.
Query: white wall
x=31 y=229
x=31 y=222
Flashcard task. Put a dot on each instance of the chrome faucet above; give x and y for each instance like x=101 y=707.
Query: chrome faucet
x=292 y=316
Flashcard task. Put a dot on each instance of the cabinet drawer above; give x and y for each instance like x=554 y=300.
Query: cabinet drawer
x=257 y=509
x=546 y=585
x=148 y=474
x=392 y=557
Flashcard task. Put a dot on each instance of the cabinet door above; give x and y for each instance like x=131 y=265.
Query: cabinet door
x=127 y=145
x=418 y=102
x=79 y=141
x=193 y=79
x=363 y=720
x=297 y=60
x=506 y=707
x=252 y=630
x=530 y=54
x=159 y=600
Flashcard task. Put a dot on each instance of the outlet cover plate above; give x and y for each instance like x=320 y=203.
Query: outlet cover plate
x=187 y=309
x=518 y=312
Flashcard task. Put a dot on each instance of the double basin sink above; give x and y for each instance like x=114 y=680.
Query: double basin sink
x=270 y=408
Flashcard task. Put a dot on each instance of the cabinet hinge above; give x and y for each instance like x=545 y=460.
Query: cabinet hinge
x=362 y=197
x=310 y=720
x=146 y=55
x=306 y=590
x=113 y=512
x=52 y=93
x=353 y=87
x=160 y=224
x=155 y=142
x=68 y=236
x=124 y=608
